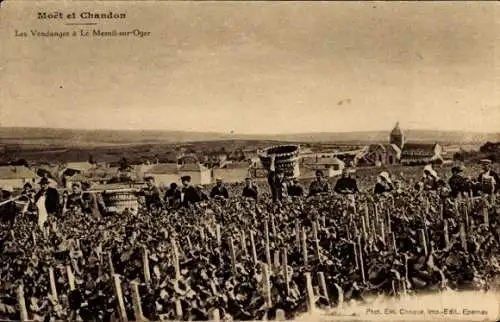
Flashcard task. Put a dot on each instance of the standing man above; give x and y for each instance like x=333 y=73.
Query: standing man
x=460 y=186
x=151 y=194
x=219 y=191
x=173 y=195
x=47 y=202
x=295 y=189
x=318 y=186
x=250 y=190
x=90 y=202
x=346 y=184
x=488 y=179
x=189 y=194
x=276 y=181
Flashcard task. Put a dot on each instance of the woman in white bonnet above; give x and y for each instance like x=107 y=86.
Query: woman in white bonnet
x=430 y=180
x=384 y=183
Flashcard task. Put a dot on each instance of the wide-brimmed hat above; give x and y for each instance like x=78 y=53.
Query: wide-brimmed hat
x=186 y=178
x=485 y=161
x=146 y=178
x=385 y=175
x=428 y=168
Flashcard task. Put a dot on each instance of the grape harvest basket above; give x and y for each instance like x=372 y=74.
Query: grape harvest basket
x=118 y=201
x=286 y=159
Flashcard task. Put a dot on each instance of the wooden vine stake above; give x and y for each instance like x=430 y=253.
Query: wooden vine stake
x=463 y=237
x=276 y=260
x=340 y=300
x=145 y=265
x=361 y=264
x=119 y=295
x=190 y=245
x=202 y=234
x=304 y=245
x=178 y=309
x=273 y=226
x=367 y=216
x=233 y=255
x=53 y=289
x=423 y=241
x=266 y=236
x=243 y=242
x=297 y=232
x=394 y=244
x=175 y=258
x=280 y=315
x=311 y=303
x=389 y=223
x=33 y=236
x=71 y=278
x=254 y=251
x=382 y=231
x=486 y=219
x=267 y=284
x=322 y=285
x=285 y=268
x=214 y=315
x=355 y=252
x=446 y=234
x=136 y=300
x=22 y=304
x=316 y=241
x=217 y=234
x=110 y=264
x=363 y=227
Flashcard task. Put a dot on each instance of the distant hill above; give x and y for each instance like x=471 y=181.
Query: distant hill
x=46 y=137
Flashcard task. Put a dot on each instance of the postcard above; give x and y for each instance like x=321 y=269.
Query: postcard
x=249 y=160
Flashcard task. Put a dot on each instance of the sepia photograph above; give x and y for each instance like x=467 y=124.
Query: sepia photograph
x=249 y=161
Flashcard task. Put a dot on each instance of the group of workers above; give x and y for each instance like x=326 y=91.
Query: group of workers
x=48 y=202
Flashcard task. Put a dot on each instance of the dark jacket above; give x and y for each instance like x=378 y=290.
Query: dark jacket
x=51 y=200
x=382 y=188
x=219 y=191
x=191 y=196
x=295 y=190
x=318 y=187
x=87 y=202
x=459 y=185
x=277 y=186
x=484 y=187
x=152 y=197
x=250 y=192
x=173 y=197
x=344 y=184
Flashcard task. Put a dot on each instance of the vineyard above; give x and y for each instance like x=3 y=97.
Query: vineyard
x=246 y=260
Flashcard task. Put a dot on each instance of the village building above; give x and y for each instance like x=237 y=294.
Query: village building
x=232 y=171
x=399 y=151
x=331 y=166
x=14 y=177
x=95 y=176
x=167 y=173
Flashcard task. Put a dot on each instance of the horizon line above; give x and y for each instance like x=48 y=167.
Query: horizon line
x=245 y=134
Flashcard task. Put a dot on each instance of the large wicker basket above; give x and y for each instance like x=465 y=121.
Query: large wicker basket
x=119 y=201
x=286 y=159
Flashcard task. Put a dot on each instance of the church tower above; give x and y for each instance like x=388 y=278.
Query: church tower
x=397 y=136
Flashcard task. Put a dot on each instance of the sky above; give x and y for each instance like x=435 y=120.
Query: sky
x=256 y=67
